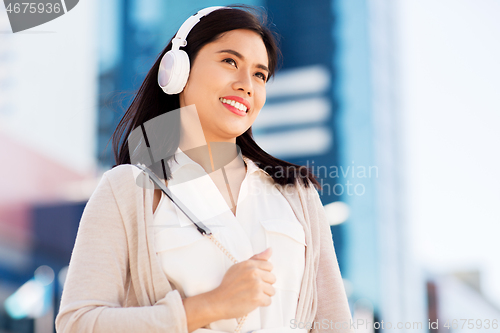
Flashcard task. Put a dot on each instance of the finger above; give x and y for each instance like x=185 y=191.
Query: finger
x=264 y=255
x=265 y=300
x=268 y=277
x=269 y=290
x=261 y=256
x=263 y=265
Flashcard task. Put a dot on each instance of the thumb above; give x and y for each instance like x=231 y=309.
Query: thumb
x=264 y=255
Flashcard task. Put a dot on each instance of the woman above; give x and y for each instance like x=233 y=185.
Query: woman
x=138 y=265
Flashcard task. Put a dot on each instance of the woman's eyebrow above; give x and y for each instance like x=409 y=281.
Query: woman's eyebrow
x=239 y=55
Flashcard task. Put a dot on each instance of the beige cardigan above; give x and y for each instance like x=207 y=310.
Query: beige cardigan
x=115 y=282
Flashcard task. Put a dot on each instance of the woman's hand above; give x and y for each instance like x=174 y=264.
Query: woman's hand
x=245 y=286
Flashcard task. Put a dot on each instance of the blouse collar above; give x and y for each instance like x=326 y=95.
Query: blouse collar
x=180 y=160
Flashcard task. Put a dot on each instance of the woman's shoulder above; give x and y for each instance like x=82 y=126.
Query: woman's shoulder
x=299 y=188
x=125 y=178
x=300 y=197
x=121 y=171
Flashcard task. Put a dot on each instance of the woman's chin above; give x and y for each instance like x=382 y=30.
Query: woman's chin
x=234 y=130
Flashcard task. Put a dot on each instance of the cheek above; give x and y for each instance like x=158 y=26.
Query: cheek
x=193 y=91
x=196 y=84
x=260 y=99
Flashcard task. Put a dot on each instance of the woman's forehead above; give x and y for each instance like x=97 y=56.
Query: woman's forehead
x=246 y=42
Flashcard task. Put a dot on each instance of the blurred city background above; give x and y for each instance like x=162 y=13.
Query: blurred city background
x=391 y=102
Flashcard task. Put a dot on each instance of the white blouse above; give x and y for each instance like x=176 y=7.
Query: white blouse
x=193 y=264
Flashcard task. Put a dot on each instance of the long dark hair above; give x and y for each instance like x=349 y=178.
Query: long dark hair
x=151 y=101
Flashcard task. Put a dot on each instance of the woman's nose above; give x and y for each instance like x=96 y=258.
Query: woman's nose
x=244 y=83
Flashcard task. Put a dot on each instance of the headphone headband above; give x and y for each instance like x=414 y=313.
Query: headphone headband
x=174 y=67
x=180 y=38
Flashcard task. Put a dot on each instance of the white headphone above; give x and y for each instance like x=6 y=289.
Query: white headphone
x=174 y=66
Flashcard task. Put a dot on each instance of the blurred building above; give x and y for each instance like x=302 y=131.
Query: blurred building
x=383 y=276
x=457 y=303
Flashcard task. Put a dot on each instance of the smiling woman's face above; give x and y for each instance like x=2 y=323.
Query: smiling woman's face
x=231 y=68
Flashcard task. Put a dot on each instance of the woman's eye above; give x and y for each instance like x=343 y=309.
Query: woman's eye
x=230 y=61
x=261 y=75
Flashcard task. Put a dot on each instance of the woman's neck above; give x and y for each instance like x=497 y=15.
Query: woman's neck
x=212 y=156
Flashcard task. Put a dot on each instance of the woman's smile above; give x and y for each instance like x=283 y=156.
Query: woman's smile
x=236 y=104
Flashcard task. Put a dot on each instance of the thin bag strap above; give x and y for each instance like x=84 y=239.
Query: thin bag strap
x=203 y=229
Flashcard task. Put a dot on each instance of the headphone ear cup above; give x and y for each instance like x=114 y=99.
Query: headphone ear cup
x=173 y=72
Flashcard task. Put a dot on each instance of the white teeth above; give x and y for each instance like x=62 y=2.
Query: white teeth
x=237 y=105
x=241 y=107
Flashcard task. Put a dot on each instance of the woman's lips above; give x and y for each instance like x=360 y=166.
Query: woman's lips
x=239 y=100
x=236 y=104
x=234 y=110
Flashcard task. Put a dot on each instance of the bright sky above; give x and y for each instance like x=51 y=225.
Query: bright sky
x=450 y=72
